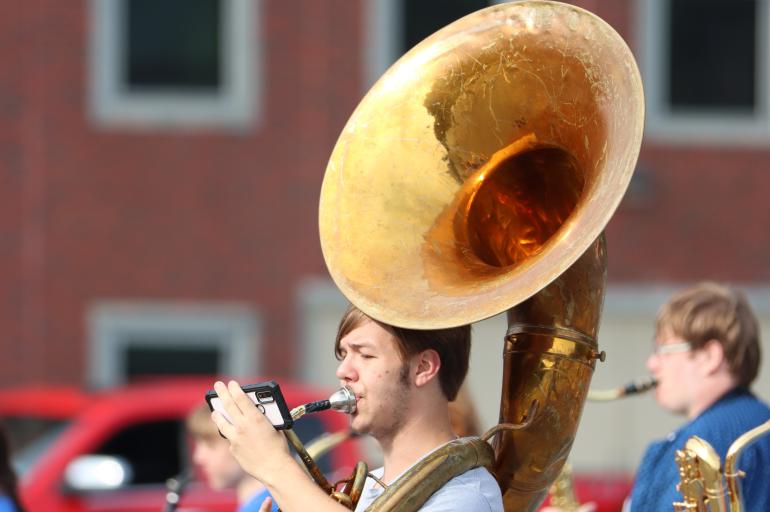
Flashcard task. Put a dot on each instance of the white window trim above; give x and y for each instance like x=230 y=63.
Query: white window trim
x=236 y=107
x=666 y=127
x=235 y=329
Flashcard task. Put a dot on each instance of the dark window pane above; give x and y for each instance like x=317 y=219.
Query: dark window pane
x=712 y=54
x=144 y=360
x=154 y=450
x=424 y=17
x=173 y=44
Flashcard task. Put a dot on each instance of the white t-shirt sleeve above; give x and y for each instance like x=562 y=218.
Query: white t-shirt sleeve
x=473 y=491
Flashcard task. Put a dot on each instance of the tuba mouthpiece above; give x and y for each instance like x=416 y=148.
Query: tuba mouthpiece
x=343 y=400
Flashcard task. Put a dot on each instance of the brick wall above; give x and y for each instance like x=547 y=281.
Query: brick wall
x=91 y=213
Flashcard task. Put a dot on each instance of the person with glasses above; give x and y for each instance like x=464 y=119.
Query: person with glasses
x=705 y=356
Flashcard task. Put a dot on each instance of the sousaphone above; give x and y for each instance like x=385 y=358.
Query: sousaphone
x=476 y=177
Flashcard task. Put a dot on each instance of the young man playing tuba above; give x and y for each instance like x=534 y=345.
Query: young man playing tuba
x=403 y=380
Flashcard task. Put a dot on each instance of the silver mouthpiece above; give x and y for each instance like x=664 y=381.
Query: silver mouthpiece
x=343 y=400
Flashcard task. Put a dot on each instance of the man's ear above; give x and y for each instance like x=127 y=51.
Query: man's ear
x=713 y=355
x=428 y=364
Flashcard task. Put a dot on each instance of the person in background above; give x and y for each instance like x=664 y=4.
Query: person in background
x=211 y=452
x=9 y=497
x=462 y=415
x=705 y=357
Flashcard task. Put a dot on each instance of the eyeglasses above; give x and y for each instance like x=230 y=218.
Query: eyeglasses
x=671 y=348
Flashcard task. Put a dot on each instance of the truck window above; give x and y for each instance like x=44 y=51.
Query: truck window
x=156 y=451
x=153 y=449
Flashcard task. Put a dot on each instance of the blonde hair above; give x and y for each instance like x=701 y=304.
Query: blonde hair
x=711 y=311
x=199 y=422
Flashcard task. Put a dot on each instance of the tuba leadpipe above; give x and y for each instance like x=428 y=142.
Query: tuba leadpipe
x=343 y=400
x=476 y=177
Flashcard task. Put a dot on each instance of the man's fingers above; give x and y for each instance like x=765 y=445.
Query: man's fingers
x=224 y=426
x=244 y=403
x=226 y=398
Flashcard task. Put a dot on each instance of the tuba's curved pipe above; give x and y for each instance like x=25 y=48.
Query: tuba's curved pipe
x=476 y=177
x=342 y=400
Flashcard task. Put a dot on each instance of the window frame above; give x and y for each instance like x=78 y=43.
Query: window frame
x=236 y=105
x=717 y=127
x=384 y=31
x=113 y=326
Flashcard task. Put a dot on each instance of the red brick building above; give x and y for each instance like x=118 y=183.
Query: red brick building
x=156 y=222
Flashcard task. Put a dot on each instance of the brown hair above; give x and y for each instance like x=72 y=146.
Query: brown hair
x=453 y=346
x=710 y=311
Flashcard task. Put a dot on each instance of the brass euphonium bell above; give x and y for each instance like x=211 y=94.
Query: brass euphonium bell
x=477 y=176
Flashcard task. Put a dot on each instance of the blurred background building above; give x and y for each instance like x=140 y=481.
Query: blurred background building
x=161 y=162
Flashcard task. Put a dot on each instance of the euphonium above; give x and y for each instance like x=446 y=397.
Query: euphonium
x=476 y=177
x=703 y=485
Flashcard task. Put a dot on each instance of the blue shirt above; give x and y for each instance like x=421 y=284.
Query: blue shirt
x=6 y=504
x=732 y=415
x=254 y=503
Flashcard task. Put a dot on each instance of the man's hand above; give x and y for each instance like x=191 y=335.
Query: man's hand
x=257 y=446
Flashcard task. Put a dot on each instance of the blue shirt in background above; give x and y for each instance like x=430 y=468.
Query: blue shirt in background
x=6 y=504
x=721 y=424
x=253 y=504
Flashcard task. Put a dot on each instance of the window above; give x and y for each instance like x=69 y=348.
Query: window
x=705 y=70
x=173 y=63
x=131 y=340
x=395 y=26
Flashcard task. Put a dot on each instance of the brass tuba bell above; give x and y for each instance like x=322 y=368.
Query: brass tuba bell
x=476 y=177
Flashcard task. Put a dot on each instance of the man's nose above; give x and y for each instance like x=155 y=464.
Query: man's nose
x=345 y=371
x=652 y=362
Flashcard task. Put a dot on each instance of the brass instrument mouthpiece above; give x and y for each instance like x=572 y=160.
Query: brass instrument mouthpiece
x=342 y=400
x=640 y=386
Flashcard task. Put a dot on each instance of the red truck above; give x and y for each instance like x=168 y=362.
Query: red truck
x=114 y=450
x=70 y=441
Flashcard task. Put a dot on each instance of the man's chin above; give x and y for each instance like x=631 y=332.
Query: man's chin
x=358 y=427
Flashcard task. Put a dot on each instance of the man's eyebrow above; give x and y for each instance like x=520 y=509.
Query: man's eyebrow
x=356 y=345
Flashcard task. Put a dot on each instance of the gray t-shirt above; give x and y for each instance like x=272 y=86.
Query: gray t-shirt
x=473 y=491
